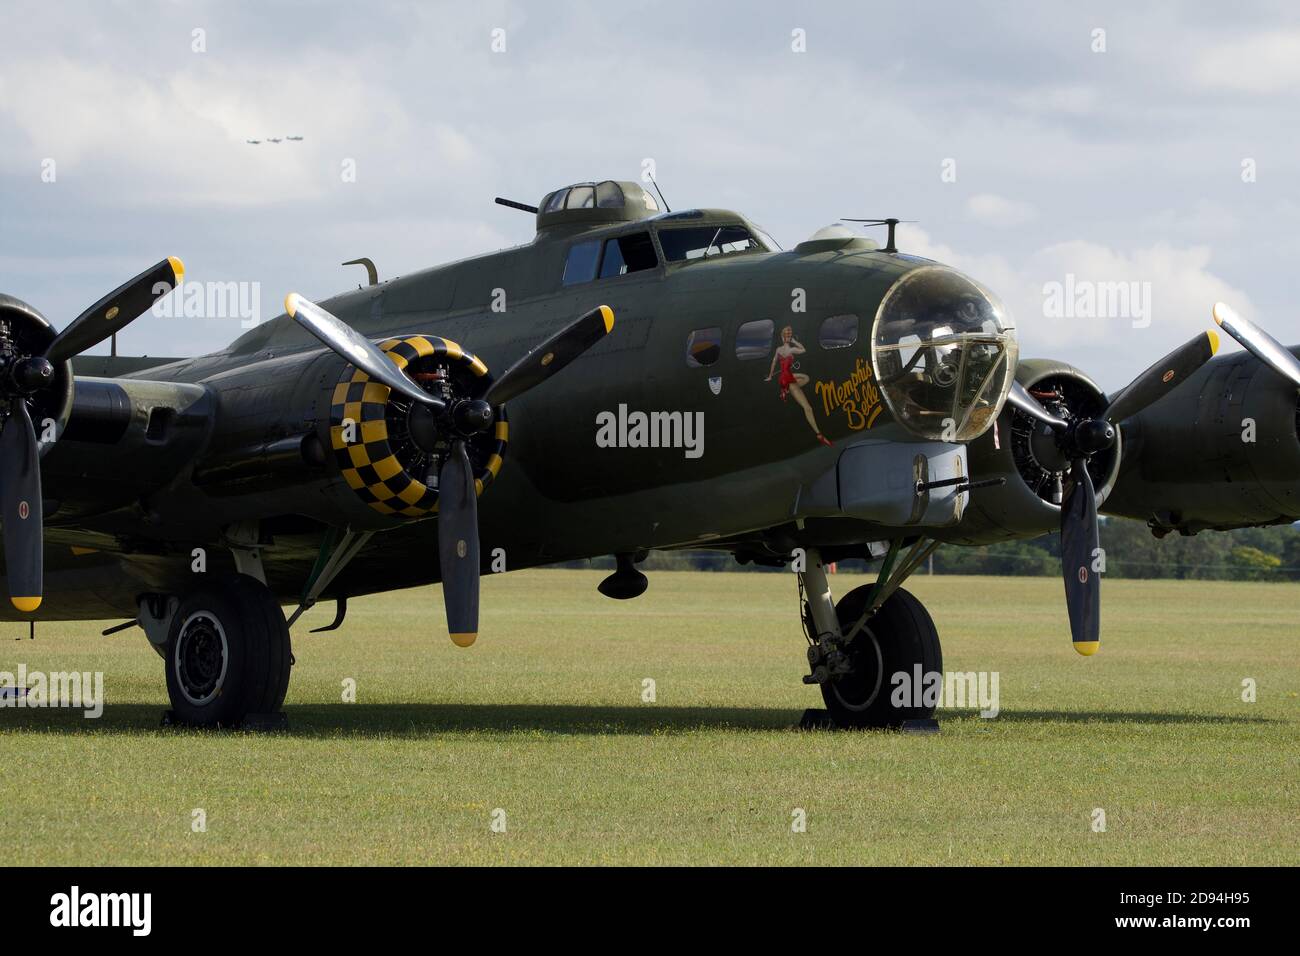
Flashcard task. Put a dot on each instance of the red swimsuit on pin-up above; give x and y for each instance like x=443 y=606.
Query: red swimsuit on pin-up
x=787 y=375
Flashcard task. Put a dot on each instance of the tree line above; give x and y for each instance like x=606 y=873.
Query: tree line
x=1131 y=551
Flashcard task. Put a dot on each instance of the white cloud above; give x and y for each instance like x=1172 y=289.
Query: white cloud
x=1074 y=100
x=1183 y=289
x=993 y=210
x=1261 y=63
x=180 y=137
x=453 y=147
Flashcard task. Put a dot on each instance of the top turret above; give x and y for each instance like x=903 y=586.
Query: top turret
x=587 y=205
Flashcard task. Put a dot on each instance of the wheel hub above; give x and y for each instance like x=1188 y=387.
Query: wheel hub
x=201 y=657
x=858 y=688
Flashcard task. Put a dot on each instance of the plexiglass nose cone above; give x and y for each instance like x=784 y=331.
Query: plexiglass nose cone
x=944 y=353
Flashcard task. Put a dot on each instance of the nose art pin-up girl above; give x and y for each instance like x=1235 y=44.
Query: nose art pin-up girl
x=792 y=382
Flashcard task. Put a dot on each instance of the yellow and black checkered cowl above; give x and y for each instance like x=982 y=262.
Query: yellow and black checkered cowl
x=368 y=463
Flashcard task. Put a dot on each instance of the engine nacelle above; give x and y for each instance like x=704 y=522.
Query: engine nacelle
x=125 y=439
x=1222 y=451
x=387 y=448
x=25 y=331
x=1025 y=454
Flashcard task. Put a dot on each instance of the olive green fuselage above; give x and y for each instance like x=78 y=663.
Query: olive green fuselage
x=162 y=463
x=559 y=495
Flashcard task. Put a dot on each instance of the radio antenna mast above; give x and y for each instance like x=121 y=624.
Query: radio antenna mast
x=661 y=195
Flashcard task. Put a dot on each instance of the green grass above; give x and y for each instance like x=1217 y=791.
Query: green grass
x=543 y=718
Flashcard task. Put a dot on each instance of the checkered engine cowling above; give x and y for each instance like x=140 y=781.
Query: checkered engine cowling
x=369 y=436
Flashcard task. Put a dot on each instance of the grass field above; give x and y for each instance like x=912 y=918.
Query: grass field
x=543 y=719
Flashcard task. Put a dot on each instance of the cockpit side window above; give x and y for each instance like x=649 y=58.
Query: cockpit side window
x=624 y=254
x=580 y=265
x=700 y=242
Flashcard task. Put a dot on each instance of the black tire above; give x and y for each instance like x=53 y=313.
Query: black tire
x=900 y=636
x=227 y=654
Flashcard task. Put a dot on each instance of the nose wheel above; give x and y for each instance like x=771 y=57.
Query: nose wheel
x=858 y=644
x=900 y=637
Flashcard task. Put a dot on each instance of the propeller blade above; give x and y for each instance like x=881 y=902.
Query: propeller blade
x=1162 y=378
x=1079 y=544
x=20 y=508
x=354 y=347
x=116 y=310
x=1021 y=399
x=1266 y=348
x=546 y=359
x=458 y=545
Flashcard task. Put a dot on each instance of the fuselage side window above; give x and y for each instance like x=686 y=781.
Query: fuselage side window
x=703 y=347
x=626 y=254
x=754 y=340
x=580 y=266
x=838 y=332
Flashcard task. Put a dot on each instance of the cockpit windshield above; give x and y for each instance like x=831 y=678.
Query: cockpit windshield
x=706 y=242
x=944 y=352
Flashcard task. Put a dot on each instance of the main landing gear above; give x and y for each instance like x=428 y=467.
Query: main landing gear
x=225 y=643
x=227 y=654
x=874 y=632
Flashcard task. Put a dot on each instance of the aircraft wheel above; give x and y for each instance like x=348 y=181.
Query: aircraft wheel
x=227 y=654
x=899 y=637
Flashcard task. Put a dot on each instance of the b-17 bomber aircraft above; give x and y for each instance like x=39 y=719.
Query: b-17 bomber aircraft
x=632 y=379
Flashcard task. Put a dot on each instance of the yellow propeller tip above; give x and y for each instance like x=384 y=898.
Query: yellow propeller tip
x=26 y=604
x=1221 y=312
x=178 y=268
x=607 y=314
x=465 y=639
x=1213 y=336
x=291 y=303
x=1087 y=648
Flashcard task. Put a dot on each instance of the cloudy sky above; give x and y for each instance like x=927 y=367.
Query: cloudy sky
x=1152 y=143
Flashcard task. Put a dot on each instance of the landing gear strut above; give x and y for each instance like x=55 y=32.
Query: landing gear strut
x=858 y=644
